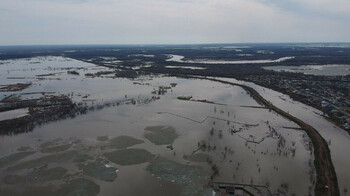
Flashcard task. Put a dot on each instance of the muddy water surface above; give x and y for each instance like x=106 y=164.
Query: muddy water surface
x=163 y=146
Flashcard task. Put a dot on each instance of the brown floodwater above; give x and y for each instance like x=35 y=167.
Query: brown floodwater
x=244 y=143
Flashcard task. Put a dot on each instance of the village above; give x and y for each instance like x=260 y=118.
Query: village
x=330 y=94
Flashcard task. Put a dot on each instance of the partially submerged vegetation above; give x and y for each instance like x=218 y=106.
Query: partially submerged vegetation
x=47 y=108
x=198 y=157
x=14 y=87
x=95 y=166
x=327 y=183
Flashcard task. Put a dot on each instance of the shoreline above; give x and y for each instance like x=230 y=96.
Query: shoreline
x=334 y=122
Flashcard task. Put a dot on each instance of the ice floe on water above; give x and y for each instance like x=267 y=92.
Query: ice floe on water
x=184 y=67
x=13 y=114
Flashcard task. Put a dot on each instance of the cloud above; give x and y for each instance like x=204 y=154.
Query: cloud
x=4 y=10
x=172 y=21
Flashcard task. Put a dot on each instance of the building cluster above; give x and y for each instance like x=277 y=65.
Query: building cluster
x=330 y=94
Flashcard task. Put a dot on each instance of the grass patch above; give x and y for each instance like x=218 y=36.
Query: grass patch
x=102 y=138
x=100 y=171
x=36 y=176
x=82 y=158
x=79 y=187
x=129 y=156
x=64 y=156
x=124 y=142
x=10 y=159
x=29 y=191
x=160 y=135
x=55 y=149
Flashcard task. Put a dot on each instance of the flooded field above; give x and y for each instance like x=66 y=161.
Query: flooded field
x=337 y=138
x=327 y=70
x=179 y=58
x=152 y=135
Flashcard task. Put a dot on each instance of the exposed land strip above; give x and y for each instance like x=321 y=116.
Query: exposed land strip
x=215 y=103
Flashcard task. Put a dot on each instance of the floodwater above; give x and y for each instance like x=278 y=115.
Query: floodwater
x=49 y=74
x=152 y=146
x=179 y=58
x=337 y=138
x=326 y=70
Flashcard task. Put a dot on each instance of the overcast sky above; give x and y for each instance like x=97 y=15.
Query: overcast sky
x=25 y=22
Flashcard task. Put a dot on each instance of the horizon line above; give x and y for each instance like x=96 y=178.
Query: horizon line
x=175 y=44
